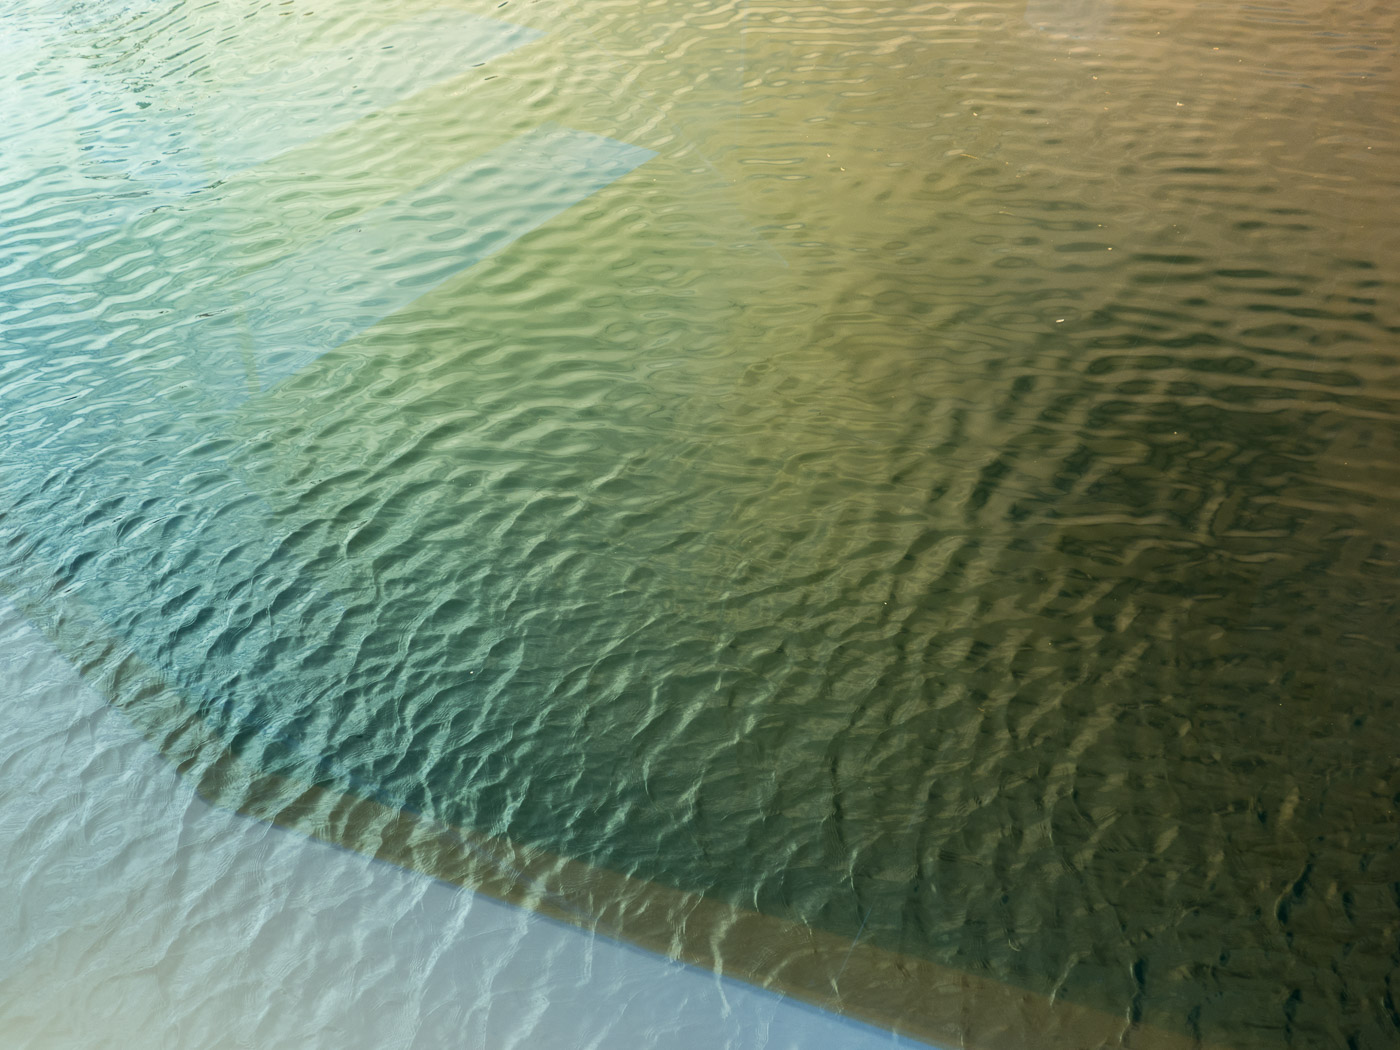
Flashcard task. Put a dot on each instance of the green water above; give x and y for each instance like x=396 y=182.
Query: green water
x=946 y=496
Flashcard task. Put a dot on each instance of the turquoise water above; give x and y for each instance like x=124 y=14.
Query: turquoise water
x=922 y=472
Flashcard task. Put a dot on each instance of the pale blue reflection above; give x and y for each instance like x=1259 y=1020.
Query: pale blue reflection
x=249 y=123
x=301 y=307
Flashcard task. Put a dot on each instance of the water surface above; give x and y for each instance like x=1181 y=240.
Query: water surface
x=922 y=472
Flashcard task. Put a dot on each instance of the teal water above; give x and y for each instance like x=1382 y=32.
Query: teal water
x=922 y=471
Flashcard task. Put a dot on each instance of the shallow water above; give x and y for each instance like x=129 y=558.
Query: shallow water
x=925 y=472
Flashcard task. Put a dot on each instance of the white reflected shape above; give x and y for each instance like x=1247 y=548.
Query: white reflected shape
x=136 y=914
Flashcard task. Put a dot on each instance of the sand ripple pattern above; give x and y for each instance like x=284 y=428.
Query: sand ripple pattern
x=947 y=498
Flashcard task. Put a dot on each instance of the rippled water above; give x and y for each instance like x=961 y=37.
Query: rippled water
x=923 y=472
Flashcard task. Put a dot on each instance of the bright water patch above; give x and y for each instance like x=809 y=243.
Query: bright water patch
x=137 y=144
x=247 y=123
x=150 y=896
x=297 y=309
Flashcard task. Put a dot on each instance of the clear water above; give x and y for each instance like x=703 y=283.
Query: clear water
x=924 y=473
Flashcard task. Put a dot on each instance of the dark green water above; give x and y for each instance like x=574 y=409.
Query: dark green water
x=947 y=495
